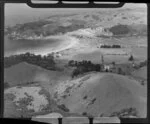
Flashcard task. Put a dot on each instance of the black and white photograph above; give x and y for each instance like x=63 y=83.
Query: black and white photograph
x=75 y=62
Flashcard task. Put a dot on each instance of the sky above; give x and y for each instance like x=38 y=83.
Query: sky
x=16 y=13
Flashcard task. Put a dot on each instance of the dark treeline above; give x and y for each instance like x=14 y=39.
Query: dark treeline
x=83 y=67
x=46 y=62
x=110 y=46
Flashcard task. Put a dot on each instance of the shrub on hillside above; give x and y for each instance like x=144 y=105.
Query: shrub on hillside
x=131 y=58
x=84 y=113
x=63 y=107
x=85 y=97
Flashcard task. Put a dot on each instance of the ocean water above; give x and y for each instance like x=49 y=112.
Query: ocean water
x=12 y=47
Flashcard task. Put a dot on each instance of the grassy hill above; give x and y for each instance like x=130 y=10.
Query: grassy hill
x=23 y=72
x=101 y=94
x=141 y=75
x=94 y=93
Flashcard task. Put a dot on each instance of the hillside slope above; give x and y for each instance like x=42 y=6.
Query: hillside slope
x=101 y=94
x=141 y=73
x=23 y=72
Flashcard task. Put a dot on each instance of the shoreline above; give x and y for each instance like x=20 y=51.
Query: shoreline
x=66 y=42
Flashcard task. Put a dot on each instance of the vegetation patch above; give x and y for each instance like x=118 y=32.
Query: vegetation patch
x=125 y=113
x=27 y=98
x=85 y=97
x=63 y=107
x=83 y=67
x=46 y=62
x=120 y=29
x=9 y=96
x=110 y=46
x=24 y=102
x=92 y=101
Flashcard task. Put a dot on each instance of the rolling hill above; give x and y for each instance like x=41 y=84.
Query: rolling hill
x=23 y=72
x=94 y=93
x=101 y=94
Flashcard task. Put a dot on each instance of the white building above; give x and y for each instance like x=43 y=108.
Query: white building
x=108 y=67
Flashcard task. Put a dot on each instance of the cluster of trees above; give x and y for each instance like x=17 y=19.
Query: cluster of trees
x=110 y=46
x=131 y=58
x=120 y=29
x=83 y=67
x=46 y=61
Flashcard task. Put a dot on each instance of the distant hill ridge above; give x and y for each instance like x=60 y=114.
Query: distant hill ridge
x=60 y=24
